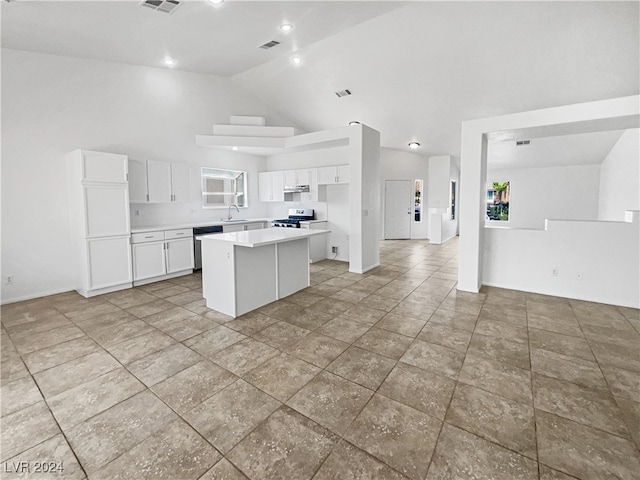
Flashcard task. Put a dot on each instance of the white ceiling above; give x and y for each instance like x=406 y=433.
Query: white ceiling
x=417 y=69
x=567 y=150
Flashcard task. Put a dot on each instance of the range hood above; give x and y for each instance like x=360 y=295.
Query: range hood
x=296 y=188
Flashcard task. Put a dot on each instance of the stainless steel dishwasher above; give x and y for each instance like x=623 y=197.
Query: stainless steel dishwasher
x=197 y=244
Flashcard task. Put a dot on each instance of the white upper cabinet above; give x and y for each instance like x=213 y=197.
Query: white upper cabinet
x=271 y=186
x=104 y=167
x=180 y=182
x=296 y=177
x=333 y=174
x=137 y=181
x=159 y=182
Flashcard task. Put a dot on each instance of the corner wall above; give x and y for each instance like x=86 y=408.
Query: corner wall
x=620 y=178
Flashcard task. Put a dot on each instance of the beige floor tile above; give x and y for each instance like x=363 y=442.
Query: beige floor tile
x=463 y=456
x=500 y=329
x=11 y=366
x=571 y=369
x=547 y=473
x=630 y=411
x=379 y=302
x=331 y=401
x=384 y=342
x=363 y=367
x=446 y=336
x=176 y=451
x=189 y=327
x=309 y=319
x=71 y=374
x=461 y=306
x=558 y=343
x=168 y=316
x=60 y=353
x=251 y=323
x=625 y=337
x=84 y=311
x=192 y=386
x=55 y=454
x=244 y=356
x=282 y=376
x=349 y=295
x=504 y=314
x=435 y=358
x=281 y=309
x=223 y=470
x=26 y=428
x=617 y=355
x=227 y=417
x=462 y=321
x=90 y=398
x=105 y=320
x=304 y=298
x=589 y=406
x=343 y=329
x=108 y=337
x=163 y=364
x=317 y=349
x=500 y=349
x=584 y=452
x=150 y=308
x=347 y=461
x=26 y=342
x=421 y=389
x=407 y=326
x=18 y=394
x=364 y=314
x=281 y=335
x=286 y=446
x=100 y=439
x=140 y=346
x=495 y=418
x=170 y=290
x=39 y=325
x=400 y=436
x=566 y=325
x=331 y=306
x=129 y=298
x=212 y=341
x=497 y=377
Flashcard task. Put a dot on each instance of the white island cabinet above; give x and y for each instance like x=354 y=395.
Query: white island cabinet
x=242 y=271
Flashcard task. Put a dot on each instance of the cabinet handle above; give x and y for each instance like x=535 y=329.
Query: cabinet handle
x=147 y=197
x=181 y=233
x=150 y=236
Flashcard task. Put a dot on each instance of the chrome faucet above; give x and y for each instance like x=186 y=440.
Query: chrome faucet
x=237 y=210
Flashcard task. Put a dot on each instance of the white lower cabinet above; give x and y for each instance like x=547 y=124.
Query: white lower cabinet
x=108 y=262
x=161 y=254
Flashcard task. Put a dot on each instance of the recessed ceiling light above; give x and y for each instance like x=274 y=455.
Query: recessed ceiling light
x=354 y=122
x=235 y=149
x=413 y=145
x=297 y=60
x=216 y=2
x=286 y=27
x=169 y=62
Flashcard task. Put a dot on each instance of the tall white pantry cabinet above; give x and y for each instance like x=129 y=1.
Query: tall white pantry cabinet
x=100 y=228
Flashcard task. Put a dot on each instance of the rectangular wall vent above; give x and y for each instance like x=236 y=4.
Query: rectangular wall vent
x=166 y=6
x=523 y=142
x=268 y=45
x=342 y=93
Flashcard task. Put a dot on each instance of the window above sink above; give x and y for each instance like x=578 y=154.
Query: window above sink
x=222 y=188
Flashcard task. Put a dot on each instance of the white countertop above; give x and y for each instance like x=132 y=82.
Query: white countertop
x=258 y=238
x=155 y=228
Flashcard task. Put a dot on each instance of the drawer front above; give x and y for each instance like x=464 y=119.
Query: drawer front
x=147 y=237
x=182 y=233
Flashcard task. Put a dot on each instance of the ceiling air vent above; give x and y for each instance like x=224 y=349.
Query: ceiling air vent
x=268 y=45
x=166 y=6
x=342 y=93
x=519 y=143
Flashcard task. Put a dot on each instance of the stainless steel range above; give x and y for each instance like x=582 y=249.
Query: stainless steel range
x=296 y=215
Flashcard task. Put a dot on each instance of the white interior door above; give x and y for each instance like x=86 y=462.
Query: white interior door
x=398 y=206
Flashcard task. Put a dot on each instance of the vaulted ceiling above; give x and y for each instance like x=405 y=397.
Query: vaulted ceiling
x=415 y=69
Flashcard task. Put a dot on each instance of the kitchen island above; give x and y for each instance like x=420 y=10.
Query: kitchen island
x=242 y=271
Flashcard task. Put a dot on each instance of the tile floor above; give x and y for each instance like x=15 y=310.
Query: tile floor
x=389 y=375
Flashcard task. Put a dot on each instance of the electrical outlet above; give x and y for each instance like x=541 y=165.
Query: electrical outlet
x=579 y=276
x=334 y=249
x=9 y=279
x=137 y=213
x=554 y=272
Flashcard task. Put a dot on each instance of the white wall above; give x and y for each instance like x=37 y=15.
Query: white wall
x=52 y=105
x=595 y=261
x=401 y=165
x=620 y=178
x=559 y=193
